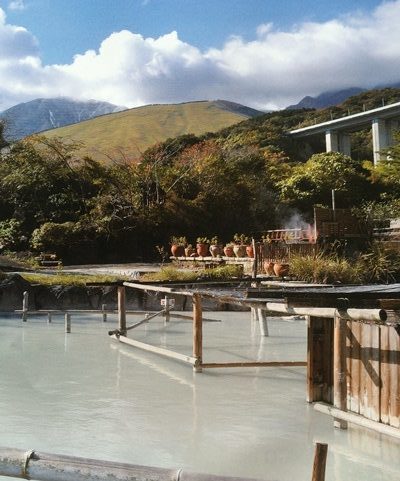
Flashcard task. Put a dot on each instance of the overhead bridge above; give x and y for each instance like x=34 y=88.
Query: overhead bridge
x=385 y=121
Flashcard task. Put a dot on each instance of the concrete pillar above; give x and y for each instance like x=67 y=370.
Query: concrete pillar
x=344 y=144
x=332 y=141
x=338 y=142
x=379 y=138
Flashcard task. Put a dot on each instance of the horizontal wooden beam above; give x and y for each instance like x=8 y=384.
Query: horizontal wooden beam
x=357 y=419
x=149 y=287
x=190 y=317
x=254 y=364
x=157 y=350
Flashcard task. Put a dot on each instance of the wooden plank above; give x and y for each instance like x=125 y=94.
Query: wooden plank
x=348 y=364
x=339 y=368
x=355 y=335
x=394 y=400
x=385 y=374
x=319 y=359
x=255 y=364
x=364 y=377
x=374 y=374
x=327 y=387
x=156 y=350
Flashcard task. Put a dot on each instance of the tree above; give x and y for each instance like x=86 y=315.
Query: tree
x=312 y=183
x=3 y=142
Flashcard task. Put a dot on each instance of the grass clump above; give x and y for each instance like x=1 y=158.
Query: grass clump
x=64 y=279
x=378 y=265
x=171 y=273
x=325 y=269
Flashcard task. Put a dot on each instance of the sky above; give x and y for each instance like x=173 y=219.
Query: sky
x=266 y=54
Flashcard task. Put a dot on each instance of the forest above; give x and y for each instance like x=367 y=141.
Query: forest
x=246 y=178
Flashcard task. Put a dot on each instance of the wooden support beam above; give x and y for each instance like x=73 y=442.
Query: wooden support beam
x=190 y=317
x=197 y=332
x=339 y=369
x=67 y=323
x=121 y=310
x=321 y=451
x=148 y=287
x=211 y=365
x=156 y=350
x=357 y=419
x=25 y=302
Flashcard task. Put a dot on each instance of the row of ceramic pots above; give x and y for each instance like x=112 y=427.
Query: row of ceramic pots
x=204 y=250
x=276 y=269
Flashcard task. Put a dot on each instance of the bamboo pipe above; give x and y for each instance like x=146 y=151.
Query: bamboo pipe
x=368 y=315
x=40 y=466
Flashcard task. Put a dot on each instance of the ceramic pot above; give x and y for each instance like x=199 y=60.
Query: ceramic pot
x=239 y=250
x=215 y=250
x=281 y=269
x=269 y=268
x=202 y=249
x=250 y=251
x=228 y=251
x=177 y=250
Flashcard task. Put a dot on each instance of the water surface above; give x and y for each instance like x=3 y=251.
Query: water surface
x=85 y=394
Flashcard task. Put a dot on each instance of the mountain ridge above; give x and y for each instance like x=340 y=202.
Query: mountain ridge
x=43 y=114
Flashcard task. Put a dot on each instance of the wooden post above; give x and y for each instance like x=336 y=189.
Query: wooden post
x=25 y=302
x=318 y=472
x=255 y=260
x=197 y=332
x=263 y=322
x=67 y=323
x=166 y=307
x=121 y=310
x=103 y=310
x=339 y=368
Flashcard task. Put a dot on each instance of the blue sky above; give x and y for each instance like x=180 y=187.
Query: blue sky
x=67 y=27
x=265 y=53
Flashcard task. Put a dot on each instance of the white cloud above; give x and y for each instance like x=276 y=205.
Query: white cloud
x=275 y=69
x=17 y=5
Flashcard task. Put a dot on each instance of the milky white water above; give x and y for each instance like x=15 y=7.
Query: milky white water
x=85 y=394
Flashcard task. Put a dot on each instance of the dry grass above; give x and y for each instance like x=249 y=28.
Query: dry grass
x=61 y=279
x=133 y=131
x=171 y=273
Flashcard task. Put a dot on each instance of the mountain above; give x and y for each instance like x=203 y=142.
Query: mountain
x=43 y=114
x=326 y=99
x=132 y=131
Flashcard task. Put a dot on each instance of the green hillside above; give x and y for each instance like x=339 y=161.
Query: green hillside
x=132 y=131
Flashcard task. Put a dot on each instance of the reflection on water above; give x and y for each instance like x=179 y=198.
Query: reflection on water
x=85 y=394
